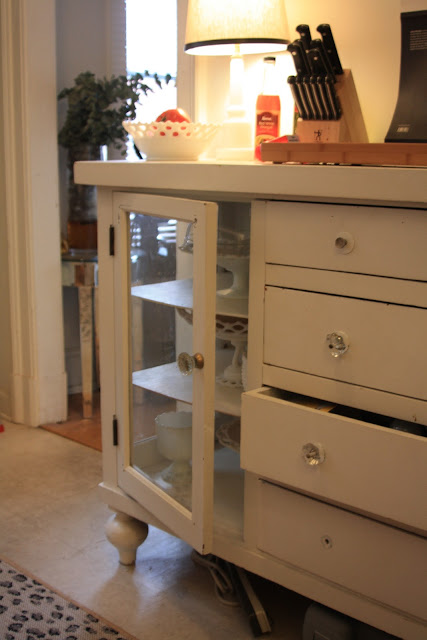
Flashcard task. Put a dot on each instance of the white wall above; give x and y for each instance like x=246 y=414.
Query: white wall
x=5 y=320
x=29 y=177
x=367 y=34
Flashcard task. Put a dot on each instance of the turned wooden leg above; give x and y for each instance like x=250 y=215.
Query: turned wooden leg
x=126 y=534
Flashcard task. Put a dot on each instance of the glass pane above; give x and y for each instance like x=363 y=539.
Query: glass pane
x=160 y=313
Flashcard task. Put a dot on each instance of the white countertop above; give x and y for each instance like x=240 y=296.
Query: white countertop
x=245 y=181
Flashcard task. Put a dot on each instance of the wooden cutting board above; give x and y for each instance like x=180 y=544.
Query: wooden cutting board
x=387 y=153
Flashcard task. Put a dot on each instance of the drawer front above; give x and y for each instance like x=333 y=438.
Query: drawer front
x=378 y=561
x=372 y=240
x=372 y=469
x=387 y=349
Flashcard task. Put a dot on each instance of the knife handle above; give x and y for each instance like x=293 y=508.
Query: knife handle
x=292 y=81
x=303 y=56
x=315 y=63
x=300 y=66
x=305 y=35
x=323 y=54
x=329 y=42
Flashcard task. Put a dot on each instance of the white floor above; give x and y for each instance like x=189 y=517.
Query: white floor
x=52 y=525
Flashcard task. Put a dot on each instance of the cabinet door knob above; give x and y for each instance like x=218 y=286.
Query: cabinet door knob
x=338 y=343
x=187 y=363
x=313 y=453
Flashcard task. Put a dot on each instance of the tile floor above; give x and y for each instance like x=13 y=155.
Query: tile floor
x=52 y=524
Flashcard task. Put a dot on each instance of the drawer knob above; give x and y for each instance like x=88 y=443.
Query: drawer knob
x=338 y=343
x=187 y=363
x=313 y=453
x=340 y=242
x=344 y=242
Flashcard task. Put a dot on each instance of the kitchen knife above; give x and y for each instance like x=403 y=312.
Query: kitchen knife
x=292 y=81
x=295 y=50
x=303 y=55
x=318 y=45
x=317 y=68
x=333 y=98
x=305 y=35
x=320 y=81
x=329 y=42
x=315 y=90
x=304 y=100
x=310 y=98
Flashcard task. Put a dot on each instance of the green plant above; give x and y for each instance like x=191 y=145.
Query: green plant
x=96 y=108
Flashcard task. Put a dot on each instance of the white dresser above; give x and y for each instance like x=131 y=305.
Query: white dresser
x=327 y=495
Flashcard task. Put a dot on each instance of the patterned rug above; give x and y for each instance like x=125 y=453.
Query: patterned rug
x=30 y=610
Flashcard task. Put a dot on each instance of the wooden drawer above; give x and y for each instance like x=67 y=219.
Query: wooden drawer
x=387 y=345
x=376 y=560
x=378 y=241
x=369 y=468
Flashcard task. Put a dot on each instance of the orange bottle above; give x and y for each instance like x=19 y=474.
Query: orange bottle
x=267 y=119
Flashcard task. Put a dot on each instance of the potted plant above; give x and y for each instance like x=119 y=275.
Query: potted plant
x=95 y=111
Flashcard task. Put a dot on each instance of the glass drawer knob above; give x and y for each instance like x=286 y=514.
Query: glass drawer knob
x=338 y=343
x=344 y=242
x=187 y=363
x=340 y=242
x=313 y=453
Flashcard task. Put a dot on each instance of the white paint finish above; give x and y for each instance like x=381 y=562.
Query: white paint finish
x=29 y=109
x=349 y=550
x=250 y=180
x=179 y=294
x=355 y=285
x=194 y=526
x=379 y=241
x=206 y=180
x=167 y=380
x=389 y=404
x=366 y=467
x=386 y=351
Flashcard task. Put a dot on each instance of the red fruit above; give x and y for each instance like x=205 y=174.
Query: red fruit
x=173 y=115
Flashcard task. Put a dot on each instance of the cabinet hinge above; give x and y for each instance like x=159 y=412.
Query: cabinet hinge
x=115 y=431
x=111 y=240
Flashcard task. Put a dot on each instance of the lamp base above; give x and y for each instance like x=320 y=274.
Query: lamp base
x=236 y=141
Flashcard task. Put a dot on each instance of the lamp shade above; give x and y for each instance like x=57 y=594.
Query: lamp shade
x=214 y=27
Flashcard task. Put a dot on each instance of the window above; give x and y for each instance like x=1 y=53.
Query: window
x=151 y=45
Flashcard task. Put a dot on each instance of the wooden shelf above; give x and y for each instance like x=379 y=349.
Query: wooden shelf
x=387 y=153
x=167 y=380
x=179 y=294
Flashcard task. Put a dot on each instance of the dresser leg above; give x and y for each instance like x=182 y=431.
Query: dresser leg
x=126 y=534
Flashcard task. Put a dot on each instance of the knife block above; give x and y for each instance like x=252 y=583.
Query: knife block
x=349 y=128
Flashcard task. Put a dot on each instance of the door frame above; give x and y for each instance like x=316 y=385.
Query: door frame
x=195 y=527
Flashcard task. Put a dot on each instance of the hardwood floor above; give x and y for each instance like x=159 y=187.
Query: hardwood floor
x=87 y=431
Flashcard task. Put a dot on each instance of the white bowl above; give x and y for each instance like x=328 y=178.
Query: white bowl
x=174 y=442
x=171 y=140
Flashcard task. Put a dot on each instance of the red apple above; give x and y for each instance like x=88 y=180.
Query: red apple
x=173 y=115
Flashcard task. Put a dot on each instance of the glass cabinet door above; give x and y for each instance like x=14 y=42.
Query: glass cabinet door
x=165 y=282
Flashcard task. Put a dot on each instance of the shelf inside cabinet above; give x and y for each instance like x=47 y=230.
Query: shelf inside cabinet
x=167 y=380
x=179 y=294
